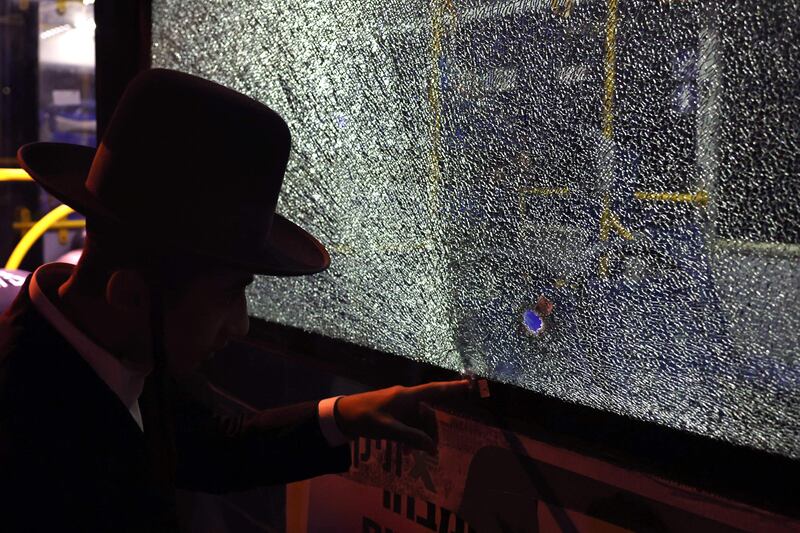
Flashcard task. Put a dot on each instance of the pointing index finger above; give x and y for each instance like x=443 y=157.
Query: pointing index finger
x=440 y=390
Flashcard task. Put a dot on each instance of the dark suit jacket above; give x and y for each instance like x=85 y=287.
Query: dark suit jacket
x=73 y=459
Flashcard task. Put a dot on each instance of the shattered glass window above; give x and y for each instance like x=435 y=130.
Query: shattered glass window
x=592 y=199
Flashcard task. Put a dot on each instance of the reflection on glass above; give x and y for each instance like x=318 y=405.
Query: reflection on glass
x=634 y=162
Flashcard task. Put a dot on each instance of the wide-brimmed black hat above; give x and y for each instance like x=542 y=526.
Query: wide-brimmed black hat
x=193 y=167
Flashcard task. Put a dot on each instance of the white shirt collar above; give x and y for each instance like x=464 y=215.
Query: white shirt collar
x=127 y=384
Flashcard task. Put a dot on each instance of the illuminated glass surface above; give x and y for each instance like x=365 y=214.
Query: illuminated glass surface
x=635 y=162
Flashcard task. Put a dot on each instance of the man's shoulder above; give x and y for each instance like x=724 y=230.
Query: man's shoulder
x=52 y=404
x=38 y=367
x=27 y=341
x=19 y=324
x=33 y=372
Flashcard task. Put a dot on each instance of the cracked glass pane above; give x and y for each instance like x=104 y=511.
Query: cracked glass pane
x=595 y=200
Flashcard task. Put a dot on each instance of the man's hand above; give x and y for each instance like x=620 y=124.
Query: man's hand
x=398 y=413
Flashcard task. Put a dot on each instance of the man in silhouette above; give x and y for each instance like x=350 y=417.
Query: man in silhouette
x=97 y=423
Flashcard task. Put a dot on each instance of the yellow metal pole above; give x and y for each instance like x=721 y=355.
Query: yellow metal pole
x=608 y=219
x=610 y=69
x=440 y=9
x=14 y=174
x=34 y=233
x=699 y=198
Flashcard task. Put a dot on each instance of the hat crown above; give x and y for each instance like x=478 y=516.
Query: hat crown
x=193 y=160
x=186 y=166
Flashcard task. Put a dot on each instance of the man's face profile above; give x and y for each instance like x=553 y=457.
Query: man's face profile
x=204 y=316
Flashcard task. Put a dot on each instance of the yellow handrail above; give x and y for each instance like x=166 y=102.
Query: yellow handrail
x=14 y=174
x=34 y=233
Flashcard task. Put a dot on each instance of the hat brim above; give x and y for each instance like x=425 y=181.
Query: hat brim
x=61 y=169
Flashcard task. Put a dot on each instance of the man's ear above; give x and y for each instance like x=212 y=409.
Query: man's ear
x=128 y=292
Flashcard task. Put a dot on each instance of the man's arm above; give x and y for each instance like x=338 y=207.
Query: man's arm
x=218 y=453
x=222 y=453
